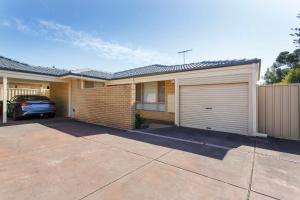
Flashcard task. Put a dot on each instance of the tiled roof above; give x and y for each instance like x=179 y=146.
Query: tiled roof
x=95 y=74
x=141 y=71
x=12 y=65
x=161 y=69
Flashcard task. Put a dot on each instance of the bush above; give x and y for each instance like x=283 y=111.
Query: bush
x=293 y=76
x=138 y=121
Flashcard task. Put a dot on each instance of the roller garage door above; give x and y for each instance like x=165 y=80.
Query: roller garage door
x=220 y=107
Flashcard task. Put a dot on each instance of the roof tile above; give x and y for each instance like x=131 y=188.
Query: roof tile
x=12 y=65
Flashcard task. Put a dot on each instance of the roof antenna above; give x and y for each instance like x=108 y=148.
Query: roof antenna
x=183 y=53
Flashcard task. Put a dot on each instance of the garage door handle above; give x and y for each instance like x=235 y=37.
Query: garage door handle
x=208 y=108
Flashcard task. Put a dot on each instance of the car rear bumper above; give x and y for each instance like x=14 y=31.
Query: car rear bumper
x=37 y=113
x=27 y=113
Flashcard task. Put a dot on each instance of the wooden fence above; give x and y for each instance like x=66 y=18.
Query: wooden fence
x=24 y=91
x=279 y=110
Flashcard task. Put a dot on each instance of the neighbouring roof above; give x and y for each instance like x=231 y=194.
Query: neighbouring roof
x=12 y=65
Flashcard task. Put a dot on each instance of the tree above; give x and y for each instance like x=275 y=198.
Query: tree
x=293 y=76
x=296 y=35
x=275 y=74
x=286 y=68
x=287 y=59
x=285 y=62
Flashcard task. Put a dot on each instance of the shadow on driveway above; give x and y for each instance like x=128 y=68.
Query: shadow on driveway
x=185 y=139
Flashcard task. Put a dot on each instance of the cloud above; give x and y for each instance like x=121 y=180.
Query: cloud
x=64 y=33
x=5 y=23
x=94 y=43
x=20 y=26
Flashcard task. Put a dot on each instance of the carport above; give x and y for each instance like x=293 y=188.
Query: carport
x=57 y=89
x=75 y=93
x=16 y=76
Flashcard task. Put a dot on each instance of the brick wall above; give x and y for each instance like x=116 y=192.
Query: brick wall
x=59 y=95
x=109 y=105
x=158 y=115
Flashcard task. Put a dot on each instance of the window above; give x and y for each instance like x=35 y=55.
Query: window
x=82 y=84
x=161 y=92
x=138 y=89
x=150 y=92
x=88 y=84
x=151 y=96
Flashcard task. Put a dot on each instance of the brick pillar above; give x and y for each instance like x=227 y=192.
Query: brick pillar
x=133 y=93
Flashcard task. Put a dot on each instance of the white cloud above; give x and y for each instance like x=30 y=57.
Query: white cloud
x=20 y=25
x=111 y=50
x=5 y=23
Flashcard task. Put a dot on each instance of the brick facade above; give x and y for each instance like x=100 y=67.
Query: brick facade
x=112 y=106
x=158 y=115
x=59 y=95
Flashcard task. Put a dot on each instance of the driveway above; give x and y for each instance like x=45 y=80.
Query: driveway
x=65 y=159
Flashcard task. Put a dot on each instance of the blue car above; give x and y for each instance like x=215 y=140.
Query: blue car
x=30 y=105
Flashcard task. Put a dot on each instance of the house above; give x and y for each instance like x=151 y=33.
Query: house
x=215 y=95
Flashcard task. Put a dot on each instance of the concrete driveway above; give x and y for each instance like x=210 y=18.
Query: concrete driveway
x=65 y=159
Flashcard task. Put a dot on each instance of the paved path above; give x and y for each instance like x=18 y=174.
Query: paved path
x=64 y=159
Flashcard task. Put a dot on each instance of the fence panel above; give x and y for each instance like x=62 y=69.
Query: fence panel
x=278 y=110
x=24 y=91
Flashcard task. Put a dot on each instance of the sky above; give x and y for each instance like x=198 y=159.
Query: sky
x=115 y=35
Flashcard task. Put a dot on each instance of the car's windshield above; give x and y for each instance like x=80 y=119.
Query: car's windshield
x=33 y=98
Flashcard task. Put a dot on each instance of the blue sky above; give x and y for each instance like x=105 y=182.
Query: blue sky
x=115 y=35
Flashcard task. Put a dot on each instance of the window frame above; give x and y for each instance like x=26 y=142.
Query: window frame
x=160 y=103
x=84 y=86
x=159 y=87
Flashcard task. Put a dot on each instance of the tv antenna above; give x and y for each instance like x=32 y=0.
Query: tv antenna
x=183 y=53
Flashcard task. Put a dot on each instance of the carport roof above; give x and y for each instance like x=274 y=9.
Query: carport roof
x=12 y=65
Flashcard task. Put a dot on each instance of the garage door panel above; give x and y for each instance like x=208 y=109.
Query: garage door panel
x=228 y=103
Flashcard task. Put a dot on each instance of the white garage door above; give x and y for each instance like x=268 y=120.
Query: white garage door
x=222 y=107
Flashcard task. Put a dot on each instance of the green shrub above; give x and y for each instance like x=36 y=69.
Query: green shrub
x=293 y=76
x=138 y=120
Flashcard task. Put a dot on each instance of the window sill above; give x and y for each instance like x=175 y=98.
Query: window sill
x=160 y=111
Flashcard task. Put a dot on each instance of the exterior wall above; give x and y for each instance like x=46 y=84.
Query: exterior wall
x=279 y=110
x=109 y=105
x=59 y=95
x=159 y=115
